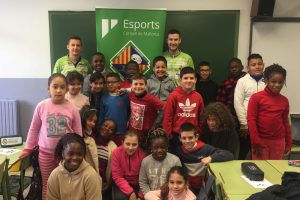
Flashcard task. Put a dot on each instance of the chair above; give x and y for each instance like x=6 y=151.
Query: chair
x=19 y=180
x=3 y=179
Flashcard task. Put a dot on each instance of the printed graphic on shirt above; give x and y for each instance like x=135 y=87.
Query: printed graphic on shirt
x=56 y=124
x=187 y=108
x=137 y=115
x=157 y=177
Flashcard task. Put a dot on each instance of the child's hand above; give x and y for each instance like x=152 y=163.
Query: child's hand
x=132 y=196
x=257 y=149
x=24 y=154
x=206 y=160
x=105 y=186
x=287 y=151
x=121 y=91
x=244 y=133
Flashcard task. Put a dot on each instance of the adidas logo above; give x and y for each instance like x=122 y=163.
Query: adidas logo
x=107 y=25
x=187 y=107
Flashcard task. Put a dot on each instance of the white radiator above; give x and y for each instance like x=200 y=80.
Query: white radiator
x=9 y=117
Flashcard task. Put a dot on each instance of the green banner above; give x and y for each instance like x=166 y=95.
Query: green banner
x=126 y=34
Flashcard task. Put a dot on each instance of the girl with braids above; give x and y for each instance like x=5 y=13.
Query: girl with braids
x=74 y=178
x=219 y=128
x=154 y=167
x=88 y=117
x=175 y=188
x=268 y=122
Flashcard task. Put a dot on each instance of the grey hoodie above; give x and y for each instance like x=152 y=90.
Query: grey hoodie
x=160 y=89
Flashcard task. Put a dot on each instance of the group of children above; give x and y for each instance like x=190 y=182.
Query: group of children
x=147 y=138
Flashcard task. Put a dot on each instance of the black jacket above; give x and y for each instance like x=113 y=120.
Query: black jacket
x=288 y=190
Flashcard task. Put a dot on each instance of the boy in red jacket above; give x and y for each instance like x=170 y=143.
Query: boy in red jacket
x=183 y=105
x=145 y=108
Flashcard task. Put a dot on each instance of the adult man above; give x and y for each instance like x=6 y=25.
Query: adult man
x=175 y=57
x=73 y=60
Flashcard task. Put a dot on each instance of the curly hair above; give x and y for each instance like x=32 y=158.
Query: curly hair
x=220 y=111
x=157 y=134
x=272 y=69
x=67 y=139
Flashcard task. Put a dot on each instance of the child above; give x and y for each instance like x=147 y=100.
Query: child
x=225 y=93
x=144 y=107
x=204 y=85
x=245 y=87
x=97 y=83
x=88 y=121
x=159 y=84
x=73 y=60
x=52 y=118
x=115 y=106
x=74 y=95
x=126 y=163
x=105 y=147
x=183 y=105
x=155 y=166
x=131 y=69
x=268 y=118
x=74 y=178
x=195 y=155
x=176 y=187
x=98 y=63
x=219 y=128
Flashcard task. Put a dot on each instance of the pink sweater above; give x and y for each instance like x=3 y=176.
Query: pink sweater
x=125 y=169
x=185 y=195
x=51 y=121
x=78 y=100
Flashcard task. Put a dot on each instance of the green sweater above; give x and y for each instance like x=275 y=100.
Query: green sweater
x=176 y=63
x=64 y=65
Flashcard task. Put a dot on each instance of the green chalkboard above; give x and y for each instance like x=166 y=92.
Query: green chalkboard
x=206 y=35
x=66 y=23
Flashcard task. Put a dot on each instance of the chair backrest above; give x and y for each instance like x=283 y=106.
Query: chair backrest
x=2 y=166
x=25 y=164
x=4 y=180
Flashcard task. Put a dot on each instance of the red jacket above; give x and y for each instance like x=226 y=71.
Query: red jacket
x=268 y=117
x=143 y=112
x=125 y=169
x=182 y=107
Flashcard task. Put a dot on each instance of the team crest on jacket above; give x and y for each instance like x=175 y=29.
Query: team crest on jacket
x=187 y=108
x=129 y=51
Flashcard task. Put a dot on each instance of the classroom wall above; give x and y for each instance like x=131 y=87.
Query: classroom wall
x=25 y=46
x=279 y=42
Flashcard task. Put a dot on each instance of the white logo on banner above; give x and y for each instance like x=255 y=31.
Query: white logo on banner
x=106 y=27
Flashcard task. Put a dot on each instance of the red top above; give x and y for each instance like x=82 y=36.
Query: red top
x=268 y=117
x=126 y=85
x=182 y=107
x=125 y=169
x=143 y=112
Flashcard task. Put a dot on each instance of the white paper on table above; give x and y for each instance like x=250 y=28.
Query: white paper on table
x=5 y=151
x=258 y=184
